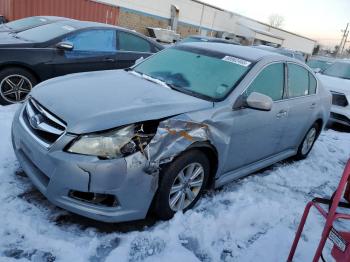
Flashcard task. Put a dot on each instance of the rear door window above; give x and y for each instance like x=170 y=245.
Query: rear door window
x=270 y=82
x=312 y=84
x=298 y=81
x=130 y=42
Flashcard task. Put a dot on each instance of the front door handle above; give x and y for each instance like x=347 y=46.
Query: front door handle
x=281 y=114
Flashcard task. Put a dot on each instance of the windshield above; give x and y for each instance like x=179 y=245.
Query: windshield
x=24 y=23
x=46 y=32
x=194 y=71
x=338 y=69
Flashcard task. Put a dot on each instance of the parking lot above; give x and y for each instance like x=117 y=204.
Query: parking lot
x=254 y=217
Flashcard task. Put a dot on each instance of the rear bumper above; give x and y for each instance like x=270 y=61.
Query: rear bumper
x=56 y=173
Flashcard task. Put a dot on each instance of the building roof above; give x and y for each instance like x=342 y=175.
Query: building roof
x=231 y=12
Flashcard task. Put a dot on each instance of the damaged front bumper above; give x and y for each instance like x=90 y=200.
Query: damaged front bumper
x=76 y=182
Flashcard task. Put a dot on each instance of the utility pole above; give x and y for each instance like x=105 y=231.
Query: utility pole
x=343 y=40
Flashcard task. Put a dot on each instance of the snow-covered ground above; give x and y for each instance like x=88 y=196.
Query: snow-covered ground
x=253 y=219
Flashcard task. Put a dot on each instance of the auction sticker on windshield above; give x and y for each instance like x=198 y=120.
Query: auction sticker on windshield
x=237 y=61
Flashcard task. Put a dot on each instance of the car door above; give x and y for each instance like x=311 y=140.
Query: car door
x=131 y=48
x=255 y=134
x=93 y=49
x=301 y=86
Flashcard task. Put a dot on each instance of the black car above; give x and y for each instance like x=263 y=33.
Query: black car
x=27 y=23
x=60 y=48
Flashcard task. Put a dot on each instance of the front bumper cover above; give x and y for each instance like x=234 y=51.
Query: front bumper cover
x=55 y=173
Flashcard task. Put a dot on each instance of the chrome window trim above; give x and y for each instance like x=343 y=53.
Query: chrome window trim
x=285 y=89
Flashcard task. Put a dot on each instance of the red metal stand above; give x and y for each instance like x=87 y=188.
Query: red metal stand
x=341 y=240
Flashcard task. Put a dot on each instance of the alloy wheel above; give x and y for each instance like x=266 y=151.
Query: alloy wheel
x=15 y=88
x=309 y=141
x=186 y=186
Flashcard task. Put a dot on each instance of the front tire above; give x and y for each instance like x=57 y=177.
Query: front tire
x=308 y=142
x=15 y=85
x=182 y=183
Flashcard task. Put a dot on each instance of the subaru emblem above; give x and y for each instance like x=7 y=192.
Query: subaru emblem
x=35 y=121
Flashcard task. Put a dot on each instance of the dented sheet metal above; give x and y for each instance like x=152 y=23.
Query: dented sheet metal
x=173 y=136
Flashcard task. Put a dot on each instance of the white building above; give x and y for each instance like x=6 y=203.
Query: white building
x=197 y=17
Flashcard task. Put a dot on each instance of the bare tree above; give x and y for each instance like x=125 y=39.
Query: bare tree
x=276 y=20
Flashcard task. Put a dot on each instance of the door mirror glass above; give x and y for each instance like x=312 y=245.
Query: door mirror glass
x=259 y=101
x=66 y=46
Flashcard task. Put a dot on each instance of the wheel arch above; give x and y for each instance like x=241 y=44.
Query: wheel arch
x=320 y=123
x=22 y=66
x=210 y=151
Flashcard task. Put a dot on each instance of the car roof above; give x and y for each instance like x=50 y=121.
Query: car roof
x=77 y=24
x=54 y=18
x=323 y=58
x=213 y=39
x=244 y=52
x=274 y=49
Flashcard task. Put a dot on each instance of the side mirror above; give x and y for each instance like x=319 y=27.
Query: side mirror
x=259 y=102
x=66 y=46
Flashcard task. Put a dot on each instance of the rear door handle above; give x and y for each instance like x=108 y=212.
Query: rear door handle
x=110 y=60
x=313 y=105
x=282 y=113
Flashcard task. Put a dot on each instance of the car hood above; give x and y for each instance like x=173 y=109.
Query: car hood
x=335 y=84
x=96 y=101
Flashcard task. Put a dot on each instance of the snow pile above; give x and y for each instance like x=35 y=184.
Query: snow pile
x=253 y=218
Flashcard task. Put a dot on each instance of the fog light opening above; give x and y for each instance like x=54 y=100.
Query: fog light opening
x=94 y=198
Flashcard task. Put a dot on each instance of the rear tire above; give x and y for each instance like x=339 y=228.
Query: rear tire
x=182 y=183
x=308 y=142
x=15 y=85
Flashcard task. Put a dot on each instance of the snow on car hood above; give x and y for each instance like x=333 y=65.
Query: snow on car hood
x=335 y=84
x=95 y=101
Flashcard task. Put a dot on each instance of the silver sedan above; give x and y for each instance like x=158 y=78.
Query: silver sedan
x=114 y=145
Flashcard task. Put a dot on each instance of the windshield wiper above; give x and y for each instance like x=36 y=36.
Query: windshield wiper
x=151 y=79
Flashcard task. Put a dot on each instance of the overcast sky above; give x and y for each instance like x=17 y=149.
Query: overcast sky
x=321 y=20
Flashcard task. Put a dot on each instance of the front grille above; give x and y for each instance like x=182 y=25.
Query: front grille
x=43 y=125
x=339 y=99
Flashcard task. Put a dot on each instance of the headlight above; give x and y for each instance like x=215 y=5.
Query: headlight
x=113 y=144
